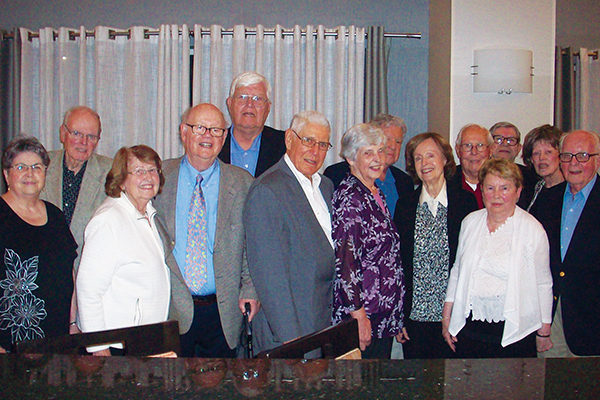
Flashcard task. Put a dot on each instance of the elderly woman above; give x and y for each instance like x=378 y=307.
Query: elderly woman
x=429 y=222
x=37 y=248
x=368 y=284
x=499 y=299
x=540 y=152
x=123 y=280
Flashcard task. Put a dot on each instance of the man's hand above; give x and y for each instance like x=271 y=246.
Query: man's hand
x=254 y=307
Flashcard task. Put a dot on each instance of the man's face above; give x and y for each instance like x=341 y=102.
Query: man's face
x=504 y=150
x=472 y=160
x=393 y=144
x=306 y=159
x=577 y=173
x=202 y=149
x=79 y=148
x=248 y=114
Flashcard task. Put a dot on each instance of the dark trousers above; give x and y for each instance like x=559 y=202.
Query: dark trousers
x=205 y=337
x=378 y=349
x=426 y=341
x=480 y=339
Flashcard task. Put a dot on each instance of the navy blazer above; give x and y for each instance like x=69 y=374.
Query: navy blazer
x=460 y=204
x=272 y=148
x=576 y=279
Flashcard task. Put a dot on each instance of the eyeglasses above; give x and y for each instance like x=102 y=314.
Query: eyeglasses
x=478 y=147
x=80 y=136
x=258 y=101
x=142 y=171
x=310 y=142
x=581 y=157
x=35 y=168
x=510 y=141
x=201 y=130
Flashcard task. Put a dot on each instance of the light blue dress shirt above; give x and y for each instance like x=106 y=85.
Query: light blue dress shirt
x=388 y=187
x=246 y=159
x=185 y=190
x=571 y=211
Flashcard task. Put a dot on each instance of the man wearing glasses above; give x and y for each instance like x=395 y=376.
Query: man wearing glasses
x=287 y=218
x=202 y=203
x=76 y=175
x=250 y=144
x=574 y=251
x=473 y=148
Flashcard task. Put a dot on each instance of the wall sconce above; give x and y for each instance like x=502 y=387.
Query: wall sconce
x=503 y=71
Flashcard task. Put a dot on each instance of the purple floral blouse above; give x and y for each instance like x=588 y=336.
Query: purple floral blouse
x=367 y=259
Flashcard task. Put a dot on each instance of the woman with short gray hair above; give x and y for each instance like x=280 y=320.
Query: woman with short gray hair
x=369 y=283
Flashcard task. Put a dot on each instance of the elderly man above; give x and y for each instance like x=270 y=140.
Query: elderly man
x=250 y=144
x=393 y=182
x=202 y=203
x=574 y=252
x=288 y=232
x=76 y=175
x=473 y=149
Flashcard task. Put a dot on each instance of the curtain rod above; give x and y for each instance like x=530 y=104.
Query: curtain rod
x=112 y=33
x=593 y=54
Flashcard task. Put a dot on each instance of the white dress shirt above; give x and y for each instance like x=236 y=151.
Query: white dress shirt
x=432 y=202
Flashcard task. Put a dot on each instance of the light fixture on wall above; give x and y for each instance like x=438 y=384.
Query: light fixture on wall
x=502 y=71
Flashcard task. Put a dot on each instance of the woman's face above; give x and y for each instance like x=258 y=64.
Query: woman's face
x=429 y=162
x=500 y=196
x=27 y=174
x=142 y=182
x=368 y=163
x=544 y=158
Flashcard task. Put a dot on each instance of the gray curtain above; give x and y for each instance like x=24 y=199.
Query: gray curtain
x=9 y=91
x=376 y=99
x=565 y=112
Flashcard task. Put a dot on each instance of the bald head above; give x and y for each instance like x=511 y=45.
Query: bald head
x=202 y=148
x=79 y=134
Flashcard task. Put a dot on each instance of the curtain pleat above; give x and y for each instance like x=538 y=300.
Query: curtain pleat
x=375 y=73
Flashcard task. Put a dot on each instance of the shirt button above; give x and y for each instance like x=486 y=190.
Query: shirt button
x=562 y=273
x=555 y=298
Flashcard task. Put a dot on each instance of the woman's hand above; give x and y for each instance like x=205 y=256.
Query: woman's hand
x=542 y=338
x=74 y=329
x=102 y=353
x=364 y=327
x=402 y=336
x=446 y=313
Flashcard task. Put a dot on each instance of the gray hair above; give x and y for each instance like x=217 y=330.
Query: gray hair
x=490 y=140
x=594 y=136
x=360 y=135
x=82 y=108
x=505 y=124
x=249 y=78
x=22 y=144
x=382 y=120
x=308 y=116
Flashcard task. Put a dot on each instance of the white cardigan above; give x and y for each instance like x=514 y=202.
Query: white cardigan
x=529 y=287
x=123 y=280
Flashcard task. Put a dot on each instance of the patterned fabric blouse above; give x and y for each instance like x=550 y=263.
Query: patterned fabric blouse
x=70 y=190
x=430 y=264
x=367 y=263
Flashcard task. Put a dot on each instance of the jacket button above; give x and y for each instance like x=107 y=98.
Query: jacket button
x=562 y=273
x=555 y=298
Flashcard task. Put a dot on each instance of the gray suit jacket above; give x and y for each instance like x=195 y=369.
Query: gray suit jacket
x=232 y=278
x=91 y=192
x=291 y=262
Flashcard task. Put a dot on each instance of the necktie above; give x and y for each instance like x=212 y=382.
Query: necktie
x=197 y=238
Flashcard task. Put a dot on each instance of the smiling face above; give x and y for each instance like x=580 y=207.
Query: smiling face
x=306 y=159
x=247 y=115
x=579 y=174
x=79 y=150
x=368 y=164
x=500 y=196
x=27 y=182
x=429 y=162
x=472 y=160
x=141 y=187
x=202 y=150
x=393 y=144
x=504 y=150
x=545 y=160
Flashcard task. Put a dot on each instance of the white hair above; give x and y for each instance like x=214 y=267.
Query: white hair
x=308 y=116
x=360 y=135
x=249 y=78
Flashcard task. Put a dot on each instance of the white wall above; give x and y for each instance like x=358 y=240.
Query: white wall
x=479 y=24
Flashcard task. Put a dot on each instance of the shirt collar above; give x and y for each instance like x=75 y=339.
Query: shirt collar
x=192 y=172
x=255 y=143
x=441 y=198
x=150 y=210
x=585 y=192
x=316 y=178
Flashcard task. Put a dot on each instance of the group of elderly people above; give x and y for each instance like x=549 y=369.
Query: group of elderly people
x=453 y=267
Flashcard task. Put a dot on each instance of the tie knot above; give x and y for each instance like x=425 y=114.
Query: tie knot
x=199 y=179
